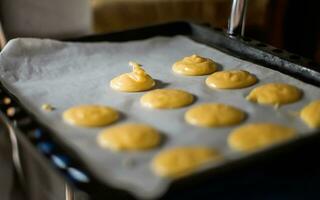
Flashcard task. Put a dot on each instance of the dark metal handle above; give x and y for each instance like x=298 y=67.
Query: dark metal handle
x=236 y=24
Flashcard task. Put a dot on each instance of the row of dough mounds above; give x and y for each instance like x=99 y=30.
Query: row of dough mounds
x=183 y=160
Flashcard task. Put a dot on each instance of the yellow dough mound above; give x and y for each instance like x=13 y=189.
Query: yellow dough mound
x=90 y=115
x=232 y=79
x=310 y=114
x=214 y=115
x=259 y=135
x=275 y=94
x=136 y=81
x=181 y=161
x=166 y=99
x=128 y=137
x=194 y=66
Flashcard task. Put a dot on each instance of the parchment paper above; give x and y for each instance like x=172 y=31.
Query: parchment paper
x=67 y=74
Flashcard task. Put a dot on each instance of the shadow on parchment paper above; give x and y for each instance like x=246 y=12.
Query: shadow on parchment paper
x=219 y=66
x=160 y=84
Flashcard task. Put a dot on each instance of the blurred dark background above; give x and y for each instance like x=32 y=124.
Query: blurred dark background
x=289 y=24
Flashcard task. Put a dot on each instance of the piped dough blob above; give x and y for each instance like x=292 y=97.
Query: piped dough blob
x=194 y=66
x=166 y=99
x=310 y=114
x=232 y=79
x=129 y=137
x=136 y=81
x=181 y=161
x=214 y=115
x=90 y=115
x=252 y=137
x=275 y=94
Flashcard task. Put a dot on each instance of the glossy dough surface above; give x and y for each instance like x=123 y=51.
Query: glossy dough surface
x=275 y=94
x=214 y=115
x=259 y=135
x=232 y=79
x=181 y=161
x=135 y=81
x=166 y=99
x=310 y=114
x=90 y=115
x=194 y=66
x=129 y=137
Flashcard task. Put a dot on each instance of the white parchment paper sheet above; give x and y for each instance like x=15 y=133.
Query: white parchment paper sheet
x=67 y=74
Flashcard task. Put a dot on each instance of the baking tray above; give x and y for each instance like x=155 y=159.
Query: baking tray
x=244 y=48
